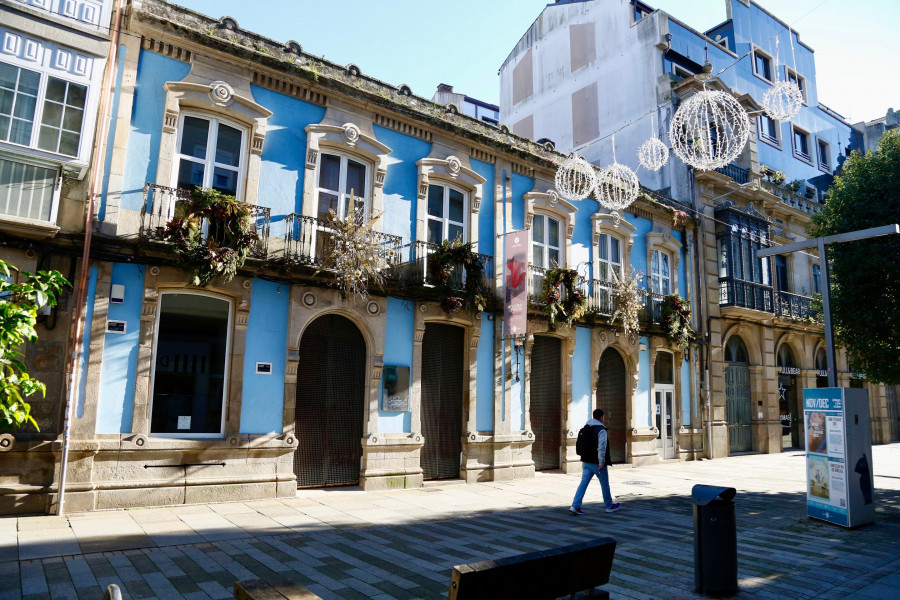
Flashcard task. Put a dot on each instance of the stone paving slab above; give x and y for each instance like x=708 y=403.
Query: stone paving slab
x=343 y=543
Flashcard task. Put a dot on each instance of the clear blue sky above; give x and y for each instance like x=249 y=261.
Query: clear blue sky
x=463 y=42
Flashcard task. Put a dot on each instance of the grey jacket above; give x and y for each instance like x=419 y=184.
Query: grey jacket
x=601 y=441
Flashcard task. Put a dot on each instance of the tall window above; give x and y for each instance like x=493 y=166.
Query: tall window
x=824 y=156
x=340 y=178
x=60 y=117
x=660 y=276
x=545 y=252
x=446 y=214
x=781 y=273
x=762 y=65
x=799 y=80
x=210 y=155
x=190 y=365
x=609 y=249
x=801 y=144
x=817 y=279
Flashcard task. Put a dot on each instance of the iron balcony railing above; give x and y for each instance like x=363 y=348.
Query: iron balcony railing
x=736 y=173
x=308 y=241
x=600 y=296
x=745 y=294
x=419 y=253
x=652 y=307
x=794 y=306
x=159 y=207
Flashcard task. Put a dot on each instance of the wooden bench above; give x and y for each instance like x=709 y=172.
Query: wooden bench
x=547 y=574
x=272 y=588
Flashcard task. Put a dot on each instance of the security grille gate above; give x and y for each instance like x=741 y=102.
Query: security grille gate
x=737 y=401
x=611 y=398
x=329 y=414
x=546 y=402
x=442 y=400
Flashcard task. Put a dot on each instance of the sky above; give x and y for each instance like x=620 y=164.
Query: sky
x=464 y=42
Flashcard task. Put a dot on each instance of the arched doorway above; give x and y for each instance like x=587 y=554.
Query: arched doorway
x=330 y=411
x=789 y=409
x=821 y=369
x=546 y=401
x=442 y=400
x=611 y=398
x=737 y=395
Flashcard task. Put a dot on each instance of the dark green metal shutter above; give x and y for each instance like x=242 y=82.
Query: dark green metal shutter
x=546 y=401
x=442 y=400
x=330 y=410
x=611 y=398
x=737 y=402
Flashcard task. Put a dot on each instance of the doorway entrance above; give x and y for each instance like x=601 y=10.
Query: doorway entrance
x=442 y=400
x=546 y=401
x=664 y=404
x=737 y=395
x=330 y=412
x=791 y=414
x=611 y=398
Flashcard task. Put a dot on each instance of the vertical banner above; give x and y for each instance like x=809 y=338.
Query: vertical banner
x=826 y=477
x=515 y=282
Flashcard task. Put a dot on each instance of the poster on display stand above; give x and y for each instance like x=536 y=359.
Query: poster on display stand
x=839 y=473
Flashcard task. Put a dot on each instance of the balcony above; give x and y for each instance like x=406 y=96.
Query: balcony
x=600 y=296
x=418 y=275
x=745 y=294
x=737 y=174
x=794 y=306
x=159 y=207
x=307 y=241
x=790 y=198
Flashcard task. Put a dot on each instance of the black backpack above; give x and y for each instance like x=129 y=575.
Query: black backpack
x=586 y=443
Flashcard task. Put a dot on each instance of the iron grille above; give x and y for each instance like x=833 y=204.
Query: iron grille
x=442 y=400
x=330 y=409
x=546 y=401
x=611 y=398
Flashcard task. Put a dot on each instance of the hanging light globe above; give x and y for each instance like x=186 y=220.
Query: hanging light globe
x=575 y=178
x=709 y=130
x=653 y=154
x=782 y=101
x=617 y=187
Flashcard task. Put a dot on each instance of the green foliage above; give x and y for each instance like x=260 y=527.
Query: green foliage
x=213 y=235
x=562 y=298
x=865 y=293
x=453 y=293
x=675 y=320
x=19 y=303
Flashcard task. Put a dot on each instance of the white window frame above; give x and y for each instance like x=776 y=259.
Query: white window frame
x=806 y=157
x=40 y=102
x=656 y=257
x=764 y=135
x=209 y=162
x=54 y=201
x=344 y=197
x=445 y=220
x=226 y=374
x=768 y=57
x=611 y=266
x=544 y=244
x=800 y=80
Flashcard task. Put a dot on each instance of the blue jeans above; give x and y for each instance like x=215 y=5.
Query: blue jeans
x=587 y=473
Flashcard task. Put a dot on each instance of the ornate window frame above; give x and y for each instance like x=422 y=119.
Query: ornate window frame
x=450 y=172
x=218 y=100
x=346 y=140
x=663 y=242
x=209 y=161
x=613 y=225
x=551 y=205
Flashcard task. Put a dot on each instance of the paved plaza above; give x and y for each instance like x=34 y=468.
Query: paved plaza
x=346 y=543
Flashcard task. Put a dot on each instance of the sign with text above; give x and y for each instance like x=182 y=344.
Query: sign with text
x=515 y=283
x=826 y=481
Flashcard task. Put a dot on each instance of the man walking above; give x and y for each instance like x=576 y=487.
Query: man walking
x=594 y=452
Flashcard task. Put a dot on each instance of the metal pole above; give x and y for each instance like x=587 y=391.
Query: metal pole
x=826 y=307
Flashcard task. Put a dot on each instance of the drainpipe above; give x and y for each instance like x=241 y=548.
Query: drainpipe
x=703 y=287
x=76 y=327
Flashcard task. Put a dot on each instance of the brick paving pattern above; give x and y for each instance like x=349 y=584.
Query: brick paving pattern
x=349 y=544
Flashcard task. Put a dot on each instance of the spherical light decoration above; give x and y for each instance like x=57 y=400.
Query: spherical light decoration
x=653 y=154
x=782 y=101
x=617 y=187
x=575 y=178
x=709 y=130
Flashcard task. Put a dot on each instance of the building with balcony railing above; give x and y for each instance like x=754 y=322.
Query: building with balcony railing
x=553 y=86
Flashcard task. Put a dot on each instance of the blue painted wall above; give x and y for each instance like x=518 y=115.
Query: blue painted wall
x=640 y=408
x=111 y=133
x=582 y=395
x=521 y=185
x=583 y=238
x=639 y=247
x=486 y=214
x=146 y=123
x=398 y=351
x=119 y=366
x=262 y=399
x=484 y=385
x=86 y=341
x=283 y=159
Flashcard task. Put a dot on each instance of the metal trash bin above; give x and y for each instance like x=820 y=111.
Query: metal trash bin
x=715 y=540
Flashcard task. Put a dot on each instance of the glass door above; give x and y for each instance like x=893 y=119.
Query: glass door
x=665 y=423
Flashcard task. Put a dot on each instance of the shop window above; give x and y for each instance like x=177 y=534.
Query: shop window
x=61 y=115
x=210 y=154
x=660 y=273
x=446 y=214
x=340 y=178
x=28 y=191
x=190 y=366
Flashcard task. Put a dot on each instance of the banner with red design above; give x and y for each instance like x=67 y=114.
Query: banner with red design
x=515 y=283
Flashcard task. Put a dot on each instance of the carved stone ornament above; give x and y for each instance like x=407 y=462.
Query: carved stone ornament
x=453 y=166
x=154 y=271
x=552 y=197
x=220 y=93
x=373 y=308
x=309 y=299
x=351 y=133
